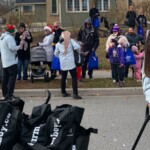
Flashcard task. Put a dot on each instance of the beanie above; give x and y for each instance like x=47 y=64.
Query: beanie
x=49 y=28
x=116 y=28
x=10 y=28
x=134 y=48
x=21 y=24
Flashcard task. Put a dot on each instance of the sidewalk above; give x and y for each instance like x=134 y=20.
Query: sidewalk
x=83 y=91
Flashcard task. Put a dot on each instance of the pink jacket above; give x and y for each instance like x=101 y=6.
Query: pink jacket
x=138 y=59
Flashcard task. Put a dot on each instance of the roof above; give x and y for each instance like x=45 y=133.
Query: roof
x=30 y=1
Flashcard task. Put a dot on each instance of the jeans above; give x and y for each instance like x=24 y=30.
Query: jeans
x=23 y=64
x=9 y=80
x=74 y=81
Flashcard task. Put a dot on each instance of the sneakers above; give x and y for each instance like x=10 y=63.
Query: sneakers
x=77 y=97
x=121 y=84
x=65 y=94
x=11 y=98
x=114 y=81
x=91 y=77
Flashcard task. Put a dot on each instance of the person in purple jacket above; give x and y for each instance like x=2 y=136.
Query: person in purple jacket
x=116 y=57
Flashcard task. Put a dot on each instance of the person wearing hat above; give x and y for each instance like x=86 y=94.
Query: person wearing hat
x=8 y=50
x=47 y=45
x=24 y=52
x=115 y=35
x=138 y=59
x=90 y=40
x=65 y=51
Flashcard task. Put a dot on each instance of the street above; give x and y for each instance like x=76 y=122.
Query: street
x=118 y=119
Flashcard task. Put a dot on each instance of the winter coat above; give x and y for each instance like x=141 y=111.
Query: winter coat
x=131 y=16
x=89 y=38
x=8 y=49
x=47 y=45
x=134 y=39
x=116 y=55
x=138 y=59
x=67 y=61
x=142 y=21
x=23 y=54
x=93 y=12
x=57 y=34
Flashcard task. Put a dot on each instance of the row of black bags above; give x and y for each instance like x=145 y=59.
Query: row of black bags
x=44 y=129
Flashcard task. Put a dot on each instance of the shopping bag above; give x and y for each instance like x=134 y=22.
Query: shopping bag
x=33 y=126
x=93 y=61
x=129 y=57
x=60 y=126
x=96 y=22
x=55 y=63
x=10 y=122
x=140 y=31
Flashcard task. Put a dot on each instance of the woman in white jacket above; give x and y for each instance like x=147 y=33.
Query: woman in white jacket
x=64 y=50
x=8 y=50
x=146 y=69
x=47 y=45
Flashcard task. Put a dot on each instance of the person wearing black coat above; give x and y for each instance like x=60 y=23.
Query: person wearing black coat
x=23 y=55
x=90 y=40
x=94 y=13
x=141 y=19
x=131 y=17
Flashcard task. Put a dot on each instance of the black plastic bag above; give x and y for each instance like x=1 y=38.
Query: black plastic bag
x=33 y=127
x=61 y=125
x=10 y=122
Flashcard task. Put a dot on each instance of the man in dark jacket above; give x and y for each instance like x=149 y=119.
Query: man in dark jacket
x=90 y=40
x=94 y=13
x=131 y=17
x=23 y=55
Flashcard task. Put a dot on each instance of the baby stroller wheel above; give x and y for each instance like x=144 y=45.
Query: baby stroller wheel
x=32 y=79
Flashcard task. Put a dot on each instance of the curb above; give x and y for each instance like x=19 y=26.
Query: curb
x=82 y=92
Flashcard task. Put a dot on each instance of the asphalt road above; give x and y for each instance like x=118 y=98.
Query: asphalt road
x=118 y=119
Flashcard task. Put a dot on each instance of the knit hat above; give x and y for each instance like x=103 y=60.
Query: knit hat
x=49 y=28
x=114 y=41
x=116 y=28
x=22 y=25
x=134 y=48
x=66 y=36
x=10 y=28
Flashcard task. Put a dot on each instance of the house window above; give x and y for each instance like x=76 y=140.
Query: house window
x=78 y=5
x=103 y=5
x=28 y=9
x=54 y=6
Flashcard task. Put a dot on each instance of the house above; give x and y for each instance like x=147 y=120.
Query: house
x=33 y=11
x=71 y=13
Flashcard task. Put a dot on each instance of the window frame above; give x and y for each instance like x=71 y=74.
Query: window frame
x=28 y=13
x=102 y=4
x=80 y=7
x=56 y=8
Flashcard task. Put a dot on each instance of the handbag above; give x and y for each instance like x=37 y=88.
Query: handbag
x=55 y=63
x=78 y=58
x=93 y=61
x=129 y=57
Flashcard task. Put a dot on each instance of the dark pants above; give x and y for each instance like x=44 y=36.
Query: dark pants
x=9 y=80
x=84 y=67
x=74 y=81
x=118 y=72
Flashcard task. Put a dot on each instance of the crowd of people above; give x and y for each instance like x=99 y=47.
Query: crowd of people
x=15 y=52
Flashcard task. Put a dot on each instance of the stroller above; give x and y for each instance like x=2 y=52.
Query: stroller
x=38 y=64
